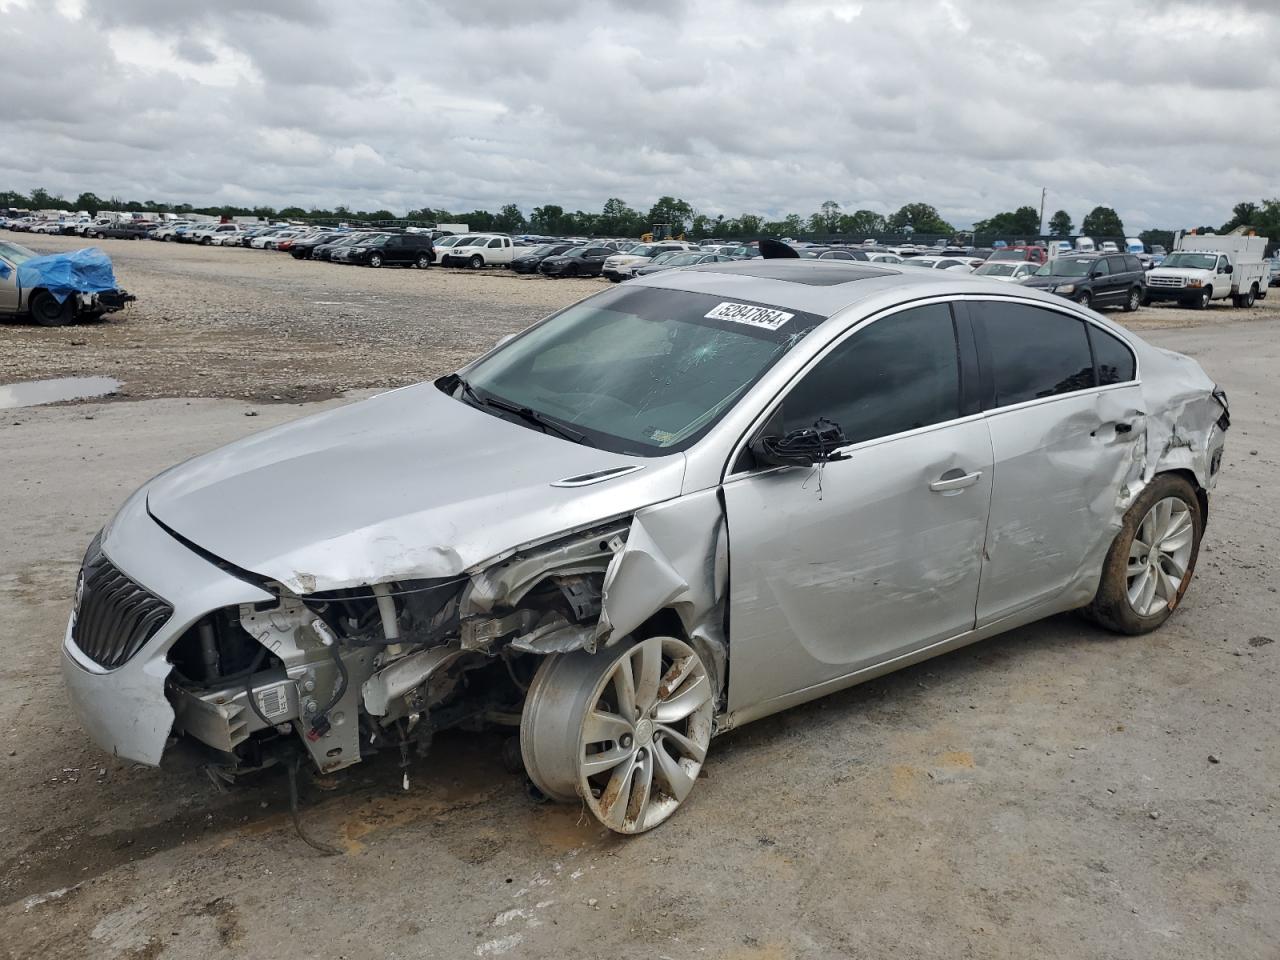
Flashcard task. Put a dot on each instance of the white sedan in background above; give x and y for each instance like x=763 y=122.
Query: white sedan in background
x=1007 y=270
x=940 y=263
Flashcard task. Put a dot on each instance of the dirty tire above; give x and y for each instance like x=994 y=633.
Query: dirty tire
x=1112 y=606
x=1085 y=299
x=48 y=312
x=625 y=729
x=1134 y=301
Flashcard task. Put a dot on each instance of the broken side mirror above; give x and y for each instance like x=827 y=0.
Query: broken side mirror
x=802 y=447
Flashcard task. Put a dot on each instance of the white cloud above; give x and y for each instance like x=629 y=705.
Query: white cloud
x=746 y=106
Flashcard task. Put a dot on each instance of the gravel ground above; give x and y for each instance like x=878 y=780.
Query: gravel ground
x=214 y=322
x=1055 y=792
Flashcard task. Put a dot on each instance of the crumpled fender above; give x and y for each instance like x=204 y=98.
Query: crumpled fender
x=676 y=556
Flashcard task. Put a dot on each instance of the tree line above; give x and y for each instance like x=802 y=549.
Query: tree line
x=617 y=218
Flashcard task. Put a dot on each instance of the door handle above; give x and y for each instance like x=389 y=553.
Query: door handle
x=954 y=484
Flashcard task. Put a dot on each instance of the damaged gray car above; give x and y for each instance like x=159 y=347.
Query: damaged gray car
x=668 y=510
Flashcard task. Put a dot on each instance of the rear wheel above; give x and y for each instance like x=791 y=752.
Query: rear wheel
x=48 y=312
x=625 y=729
x=1134 y=301
x=1152 y=558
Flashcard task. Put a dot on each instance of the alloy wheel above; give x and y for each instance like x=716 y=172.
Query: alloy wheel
x=626 y=731
x=1159 y=556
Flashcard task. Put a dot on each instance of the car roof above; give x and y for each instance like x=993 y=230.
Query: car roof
x=826 y=287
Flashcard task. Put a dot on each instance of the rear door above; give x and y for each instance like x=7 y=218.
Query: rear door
x=1065 y=414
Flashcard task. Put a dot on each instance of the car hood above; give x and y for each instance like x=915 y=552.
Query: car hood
x=408 y=484
x=1043 y=283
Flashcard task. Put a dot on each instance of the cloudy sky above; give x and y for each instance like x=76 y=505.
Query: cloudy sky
x=1167 y=110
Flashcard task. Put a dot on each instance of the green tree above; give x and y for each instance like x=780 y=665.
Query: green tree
x=619 y=220
x=1060 y=224
x=749 y=225
x=509 y=219
x=862 y=223
x=674 y=211
x=42 y=199
x=547 y=219
x=88 y=201
x=1102 y=222
x=1242 y=215
x=11 y=198
x=827 y=219
x=921 y=218
x=1021 y=223
x=1153 y=237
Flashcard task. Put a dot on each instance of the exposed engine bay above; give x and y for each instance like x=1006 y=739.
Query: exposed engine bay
x=348 y=672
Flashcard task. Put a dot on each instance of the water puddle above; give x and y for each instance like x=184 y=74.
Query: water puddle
x=35 y=392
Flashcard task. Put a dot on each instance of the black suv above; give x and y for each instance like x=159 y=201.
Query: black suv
x=1093 y=280
x=405 y=249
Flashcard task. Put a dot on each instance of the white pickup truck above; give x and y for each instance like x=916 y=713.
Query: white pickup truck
x=1207 y=267
x=479 y=251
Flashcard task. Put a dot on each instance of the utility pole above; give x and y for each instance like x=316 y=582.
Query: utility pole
x=1043 y=192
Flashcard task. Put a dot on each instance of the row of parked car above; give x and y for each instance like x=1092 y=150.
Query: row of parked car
x=1202 y=270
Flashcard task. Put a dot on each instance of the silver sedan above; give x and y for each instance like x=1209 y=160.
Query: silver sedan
x=666 y=511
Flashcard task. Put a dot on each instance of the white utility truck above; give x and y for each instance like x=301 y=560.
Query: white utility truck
x=1207 y=267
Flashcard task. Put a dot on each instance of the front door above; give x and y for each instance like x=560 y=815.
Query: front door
x=836 y=568
x=1067 y=431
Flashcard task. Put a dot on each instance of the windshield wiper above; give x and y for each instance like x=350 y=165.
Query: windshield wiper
x=539 y=419
x=528 y=414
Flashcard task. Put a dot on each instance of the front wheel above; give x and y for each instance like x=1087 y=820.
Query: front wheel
x=625 y=729
x=1201 y=300
x=1151 y=560
x=1134 y=301
x=477 y=262
x=375 y=259
x=48 y=312
x=424 y=261
x=206 y=241
x=1084 y=298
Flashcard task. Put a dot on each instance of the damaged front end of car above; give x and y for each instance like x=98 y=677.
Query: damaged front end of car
x=336 y=675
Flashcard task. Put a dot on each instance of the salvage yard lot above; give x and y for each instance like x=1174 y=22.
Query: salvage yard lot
x=1047 y=793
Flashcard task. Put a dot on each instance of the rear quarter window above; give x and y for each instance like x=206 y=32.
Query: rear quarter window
x=1114 y=359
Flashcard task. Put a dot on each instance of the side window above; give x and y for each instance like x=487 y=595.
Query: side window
x=900 y=373
x=1133 y=264
x=1033 y=352
x=495 y=242
x=1114 y=360
x=1100 y=267
x=1118 y=264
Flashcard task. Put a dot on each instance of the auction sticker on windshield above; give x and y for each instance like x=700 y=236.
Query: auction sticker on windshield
x=750 y=315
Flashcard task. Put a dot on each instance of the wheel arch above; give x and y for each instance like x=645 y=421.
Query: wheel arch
x=1202 y=495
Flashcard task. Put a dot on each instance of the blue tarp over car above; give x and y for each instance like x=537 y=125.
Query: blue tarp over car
x=62 y=274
